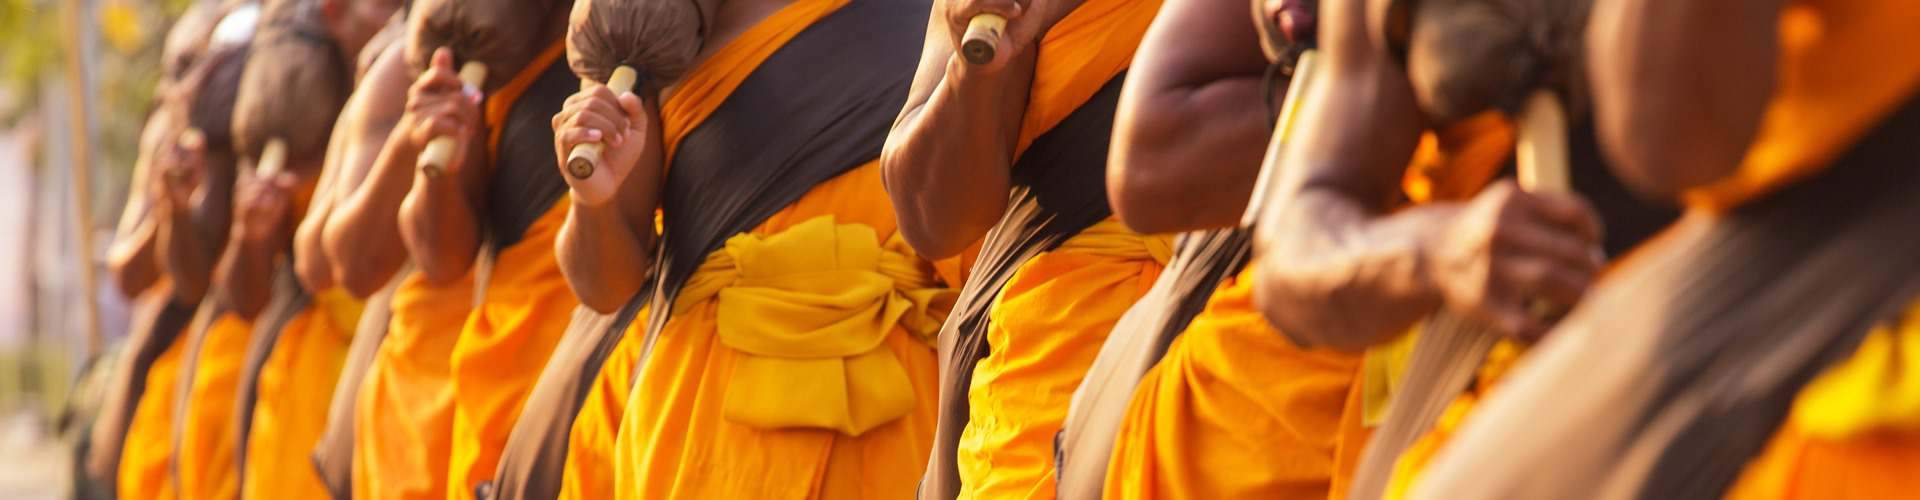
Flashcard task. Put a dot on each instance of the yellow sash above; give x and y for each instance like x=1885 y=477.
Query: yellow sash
x=1878 y=388
x=808 y=309
x=1110 y=238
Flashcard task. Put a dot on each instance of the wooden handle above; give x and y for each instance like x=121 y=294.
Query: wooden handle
x=1266 y=182
x=1541 y=152
x=585 y=158
x=273 y=159
x=434 y=158
x=982 y=38
x=1541 y=148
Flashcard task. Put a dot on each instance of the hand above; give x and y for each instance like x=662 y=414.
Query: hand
x=264 y=205
x=439 y=105
x=183 y=169
x=622 y=124
x=1027 y=22
x=1508 y=250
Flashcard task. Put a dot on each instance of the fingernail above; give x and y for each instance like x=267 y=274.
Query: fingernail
x=593 y=135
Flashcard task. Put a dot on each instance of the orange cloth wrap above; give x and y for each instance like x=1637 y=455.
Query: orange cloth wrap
x=295 y=389
x=146 y=462
x=1235 y=410
x=404 y=421
x=206 y=463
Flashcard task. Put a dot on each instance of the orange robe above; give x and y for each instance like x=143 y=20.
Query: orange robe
x=1054 y=312
x=588 y=473
x=717 y=410
x=294 y=391
x=1236 y=410
x=205 y=462
x=507 y=338
x=146 y=462
x=404 y=422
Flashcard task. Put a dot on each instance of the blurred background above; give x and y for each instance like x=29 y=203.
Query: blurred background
x=76 y=82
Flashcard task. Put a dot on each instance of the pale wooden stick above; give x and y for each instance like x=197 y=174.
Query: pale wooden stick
x=434 y=158
x=273 y=159
x=585 y=158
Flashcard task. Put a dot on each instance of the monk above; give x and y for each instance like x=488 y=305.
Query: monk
x=205 y=463
x=1366 y=234
x=1785 y=127
x=1055 y=269
x=300 y=345
x=1232 y=409
x=403 y=419
x=785 y=351
x=135 y=421
x=494 y=195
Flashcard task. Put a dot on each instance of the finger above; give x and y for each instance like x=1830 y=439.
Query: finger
x=1534 y=278
x=1534 y=238
x=1505 y=314
x=576 y=136
x=636 y=113
x=1569 y=211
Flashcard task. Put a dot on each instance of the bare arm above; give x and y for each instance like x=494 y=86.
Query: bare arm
x=1339 y=268
x=134 y=255
x=1192 y=123
x=361 y=234
x=948 y=159
x=606 y=247
x=197 y=216
x=1679 y=86
x=440 y=216
x=262 y=234
x=310 y=262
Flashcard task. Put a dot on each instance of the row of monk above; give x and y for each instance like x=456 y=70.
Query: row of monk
x=1007 y=249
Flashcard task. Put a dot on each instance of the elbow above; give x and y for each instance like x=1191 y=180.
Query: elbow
x=130 y=275
x=932 y=245
x=1147 y=205
x=1661 y=162
x=357 y=281
x=1281 y=302
x=601 y=302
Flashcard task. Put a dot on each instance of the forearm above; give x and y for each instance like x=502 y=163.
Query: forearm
x=362 y=234
x=188 y=249
x=1334 y=272
x=1680 y=86
x=947 y=164
x=246 y=276
x=134 y=256
x=1185 y=157
x=440 y=228
x=604 y=255
x=310 y=260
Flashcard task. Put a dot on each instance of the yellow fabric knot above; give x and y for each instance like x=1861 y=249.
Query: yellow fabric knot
x=341 y=309
x=1111 y=238
x=1877 y=389
x=809 y=309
